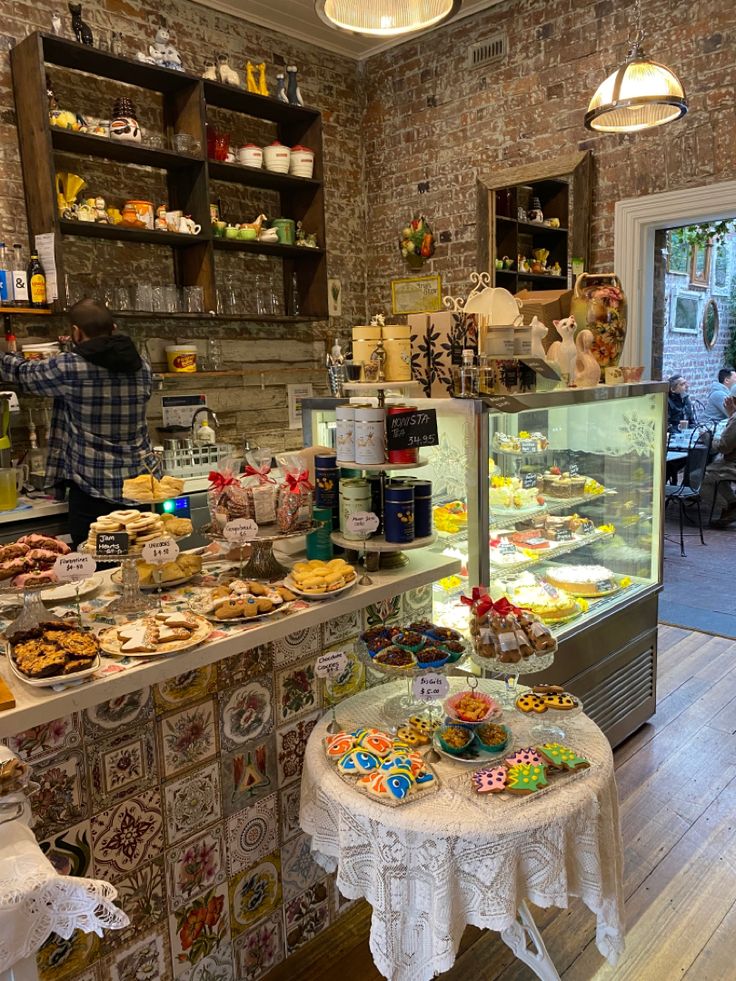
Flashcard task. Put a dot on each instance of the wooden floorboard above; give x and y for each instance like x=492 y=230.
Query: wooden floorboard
x=677 y=787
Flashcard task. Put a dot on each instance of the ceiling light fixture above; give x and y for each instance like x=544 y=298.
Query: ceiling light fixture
x=641 y=94
x=385 y=18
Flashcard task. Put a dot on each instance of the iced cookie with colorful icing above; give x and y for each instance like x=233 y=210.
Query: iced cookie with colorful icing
x=562 y=757
x=527 y=755
x=339 y=744
x=411 y=736
x=561 y=701
x=525 y=778
x=425 y=726
x=529 y=702
x=490 y=780
x=358 y=761
x=374 y=741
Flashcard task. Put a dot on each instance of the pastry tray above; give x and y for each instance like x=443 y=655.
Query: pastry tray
x=388 y=800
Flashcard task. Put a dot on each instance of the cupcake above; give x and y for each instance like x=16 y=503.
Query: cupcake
x=431 y=657
x=410 y=640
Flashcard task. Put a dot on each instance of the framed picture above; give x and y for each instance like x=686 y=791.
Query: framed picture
x=678 y=252
x=721 y=267
x=700 y=266
x=685 y=312
x=416 y=294
x=711 y=324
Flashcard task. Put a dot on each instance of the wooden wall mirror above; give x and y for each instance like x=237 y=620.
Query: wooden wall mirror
x=710 y=323
x=521 y=248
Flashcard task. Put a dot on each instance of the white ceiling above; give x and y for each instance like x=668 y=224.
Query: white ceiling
x=297 y=19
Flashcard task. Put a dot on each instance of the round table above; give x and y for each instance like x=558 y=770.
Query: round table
x=432 y=866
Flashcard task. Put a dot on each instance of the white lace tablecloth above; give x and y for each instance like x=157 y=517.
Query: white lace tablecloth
x=36 y=901
x=430 y=867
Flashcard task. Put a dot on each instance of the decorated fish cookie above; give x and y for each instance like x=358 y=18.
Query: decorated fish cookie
x=376 y=742
x=358 y=761
x=490 y=780
x=527 y=755
x=562 y=757
x=339 y=744
x=525 y=778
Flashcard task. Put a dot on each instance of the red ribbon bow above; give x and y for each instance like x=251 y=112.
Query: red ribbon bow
x=218 y=481
x=261 y=473
x=294 y=480
x=481 y=603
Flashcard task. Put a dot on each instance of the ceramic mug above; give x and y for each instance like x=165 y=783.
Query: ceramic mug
x=173 y=220
x=247 y=234
x=614 y=376
x=188 y=226
x=231 y=232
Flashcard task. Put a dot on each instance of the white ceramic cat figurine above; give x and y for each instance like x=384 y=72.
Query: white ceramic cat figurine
x=564 y=352
x=587 y=369
x=539 y=332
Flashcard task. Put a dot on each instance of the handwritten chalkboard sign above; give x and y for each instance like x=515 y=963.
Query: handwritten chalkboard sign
x=410 y=430
x=574 y=470
x=113 y=544
x=529 y=480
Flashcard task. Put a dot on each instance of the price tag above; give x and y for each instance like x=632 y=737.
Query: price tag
x=529 y=480
x=333 y=662
x=529 y=446
x=160 y=552
x=605 y=586
x=507 y=548
x=74 y=567
x=241 y=530
x=408 y=430
x=430 y=687
x=573 y=470
x=541 y=367
x=563 y=535
x=363 y=523
x=549 y=588
x=113 y=544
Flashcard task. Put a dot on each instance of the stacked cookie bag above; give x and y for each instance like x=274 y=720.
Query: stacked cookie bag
x=528 y=770
x=387 y=768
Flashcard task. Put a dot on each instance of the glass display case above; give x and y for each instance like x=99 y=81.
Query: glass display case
x=555 y=500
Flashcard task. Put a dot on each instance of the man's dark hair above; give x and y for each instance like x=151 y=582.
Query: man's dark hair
x=723 y=374
x=92 y=318
x=673 y=380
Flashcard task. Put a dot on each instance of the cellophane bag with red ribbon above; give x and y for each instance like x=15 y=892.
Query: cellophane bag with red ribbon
x=504 y=632
x=260 y=486
x=295 y=495
x=226 y=497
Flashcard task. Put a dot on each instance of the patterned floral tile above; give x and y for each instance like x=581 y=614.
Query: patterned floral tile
x=259 y=950
x=132 y=709
x=242 y=667
x=252 y=833
x=64 y=960
x=291 y=741
x=298 y=868
x=70 y=851
x=246 y=712
x=195 y=866
x=290 y=811
x=349 y=681
x=192 y=802
x=386 y=611
x=91 y=975
x=41 y=741
x=145 y=959
x=306 y=916
x=142 y=895
x=185 y=688
x=121 y=765
x=127 y=835
x=187 y=737
x=255 y=893
x=198 y=928
x=297 y=691
x=417 y=603
x=61 y=799
x=216 y=966
x=340 y=628
x=248 y=774
x=297 y=646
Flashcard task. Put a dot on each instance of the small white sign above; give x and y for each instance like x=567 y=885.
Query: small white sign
x=74 y=567
x=241 y=530
x=362 y=523
x=430 y=687
x=333 y=662
x=160 y=552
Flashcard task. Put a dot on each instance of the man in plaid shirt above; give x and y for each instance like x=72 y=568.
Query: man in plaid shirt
x=98 y=434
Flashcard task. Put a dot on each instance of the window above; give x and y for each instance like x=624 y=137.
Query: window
x=678 y=252
x=685 y=315
x=721 y=265
x=700 y=266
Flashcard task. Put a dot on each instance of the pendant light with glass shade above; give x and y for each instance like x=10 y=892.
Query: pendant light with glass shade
x=385 y=18
x=641 y=94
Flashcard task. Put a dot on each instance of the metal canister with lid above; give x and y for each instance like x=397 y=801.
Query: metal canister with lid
x=401 y=456
x=345 y=433
x=365 y=342
x=370 y=425
x=376 y=482
x=355 y=495
x=397 y=345
x=327 y=484
x=398 y=513
x=422 y=505
x=319 y=542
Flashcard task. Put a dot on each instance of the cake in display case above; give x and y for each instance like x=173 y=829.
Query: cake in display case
x=555 y=501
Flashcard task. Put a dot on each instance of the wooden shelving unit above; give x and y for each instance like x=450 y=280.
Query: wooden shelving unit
x=515 y=237
x=186 y=99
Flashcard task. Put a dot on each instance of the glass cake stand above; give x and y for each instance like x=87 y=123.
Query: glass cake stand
x=512 y=671
x=262 y=564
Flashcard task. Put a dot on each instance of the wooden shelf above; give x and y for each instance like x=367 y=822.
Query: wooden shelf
x=26 y=311
x=259 y=177
x=535 y=226
x=118 y=233
x=267 y=248
x=207 y=317
x=541 y=278
x=260 y=106
x=236 y=373
x=67 y=141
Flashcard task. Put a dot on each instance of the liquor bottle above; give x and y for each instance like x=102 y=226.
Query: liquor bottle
x=6 y=290
x=465 y=377
x=20 y=283
x=36 y=281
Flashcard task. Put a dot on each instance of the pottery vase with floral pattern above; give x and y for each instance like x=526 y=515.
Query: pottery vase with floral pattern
x=599 y=305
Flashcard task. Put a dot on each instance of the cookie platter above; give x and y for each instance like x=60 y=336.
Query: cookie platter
x=529 y=772
x=242 y=601
x=151 y=636
x=53 y=653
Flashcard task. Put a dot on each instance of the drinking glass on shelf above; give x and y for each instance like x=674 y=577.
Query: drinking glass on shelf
x=122 y=299
x=264 y=306
x=193 y=299
x=214 y=354
x=276 y=303
x=222 y=145
x=171 y=299
x=158 y=300
x=143 y=296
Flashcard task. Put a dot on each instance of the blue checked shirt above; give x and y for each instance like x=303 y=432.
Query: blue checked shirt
x=98 y=434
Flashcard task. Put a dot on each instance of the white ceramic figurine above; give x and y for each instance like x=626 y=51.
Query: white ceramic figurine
x=564 y=352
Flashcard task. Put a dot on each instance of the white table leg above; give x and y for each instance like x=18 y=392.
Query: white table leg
x=517 y=938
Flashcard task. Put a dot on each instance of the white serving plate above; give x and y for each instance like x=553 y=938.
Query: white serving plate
x=54 y=680
x=292 y=586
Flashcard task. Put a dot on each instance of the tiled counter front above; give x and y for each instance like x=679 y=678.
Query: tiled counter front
x=185 y=795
